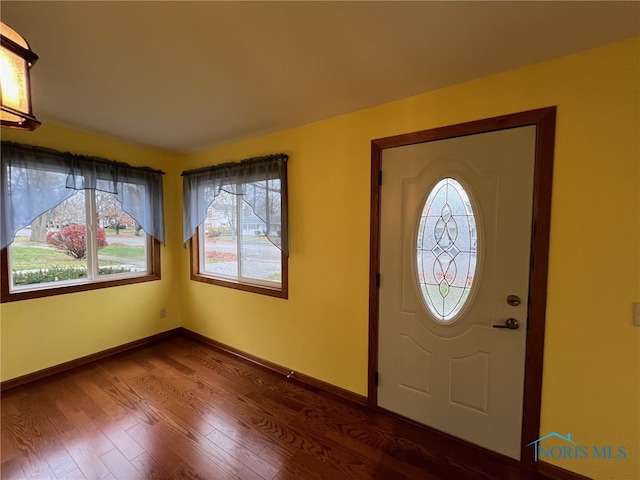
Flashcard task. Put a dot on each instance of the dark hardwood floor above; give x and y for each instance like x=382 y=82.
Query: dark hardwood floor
x=181 y=409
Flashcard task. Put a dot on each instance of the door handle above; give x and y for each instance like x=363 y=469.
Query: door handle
x=510 y=323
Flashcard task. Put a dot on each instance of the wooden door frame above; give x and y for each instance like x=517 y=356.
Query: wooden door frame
x=544 y=120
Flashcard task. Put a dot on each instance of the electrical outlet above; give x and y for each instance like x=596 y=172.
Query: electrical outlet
x=636 y=313
x=163 y=313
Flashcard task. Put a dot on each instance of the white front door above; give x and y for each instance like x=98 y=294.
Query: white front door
x=455 y=237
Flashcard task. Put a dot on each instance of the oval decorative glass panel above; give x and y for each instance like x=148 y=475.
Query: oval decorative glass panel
x=446 y=251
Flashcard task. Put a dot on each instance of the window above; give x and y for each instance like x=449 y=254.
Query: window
x=237 y=213
x=61 y=235
x=446 y=252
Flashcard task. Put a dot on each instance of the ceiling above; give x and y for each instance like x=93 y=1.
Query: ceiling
x=184 y=76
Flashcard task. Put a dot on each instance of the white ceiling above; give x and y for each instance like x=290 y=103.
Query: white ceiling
x=183 y=76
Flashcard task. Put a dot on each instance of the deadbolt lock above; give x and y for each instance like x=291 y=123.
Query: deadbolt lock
x=513 y=300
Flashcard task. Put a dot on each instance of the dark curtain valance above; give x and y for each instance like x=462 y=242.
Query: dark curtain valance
x=261 y=181
x=34 y=180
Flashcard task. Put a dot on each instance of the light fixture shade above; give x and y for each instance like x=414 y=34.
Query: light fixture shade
x=16 y=59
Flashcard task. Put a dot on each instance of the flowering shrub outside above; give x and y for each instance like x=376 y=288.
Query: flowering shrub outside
x=72 y=240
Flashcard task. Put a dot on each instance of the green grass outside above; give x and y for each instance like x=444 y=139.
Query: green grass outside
x=123 y=251
x=32 y=257
x=25 y=256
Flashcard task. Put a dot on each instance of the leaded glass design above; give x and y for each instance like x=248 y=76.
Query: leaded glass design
x=446 y=252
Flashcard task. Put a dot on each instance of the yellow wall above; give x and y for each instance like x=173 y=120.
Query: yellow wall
x=591 y=382
x=592 y=356
x=40 y=333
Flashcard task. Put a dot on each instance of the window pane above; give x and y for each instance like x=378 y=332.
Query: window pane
x=446 y=253
x=122 y=244
x=53 y=249
x=219 y=255
x=261 y=260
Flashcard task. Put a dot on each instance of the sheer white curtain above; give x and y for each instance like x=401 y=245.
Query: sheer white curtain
x=261 y=182
x=33 y=180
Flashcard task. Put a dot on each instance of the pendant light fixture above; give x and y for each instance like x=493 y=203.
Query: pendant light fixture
x=16 y=59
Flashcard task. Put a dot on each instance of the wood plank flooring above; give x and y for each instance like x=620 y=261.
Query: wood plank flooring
x=181 y=409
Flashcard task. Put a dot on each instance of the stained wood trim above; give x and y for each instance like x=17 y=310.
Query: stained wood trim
x=278 y=369
x=544 y=120
x=196 y=276
x=270 y=366
x=503 y=122
x=78 y=362
x=362 y=437
x=538 y=271
x=374 y=271
x=7 y=296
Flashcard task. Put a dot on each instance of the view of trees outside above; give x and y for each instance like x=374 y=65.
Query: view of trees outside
x=231 y=232
x=54 y=247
